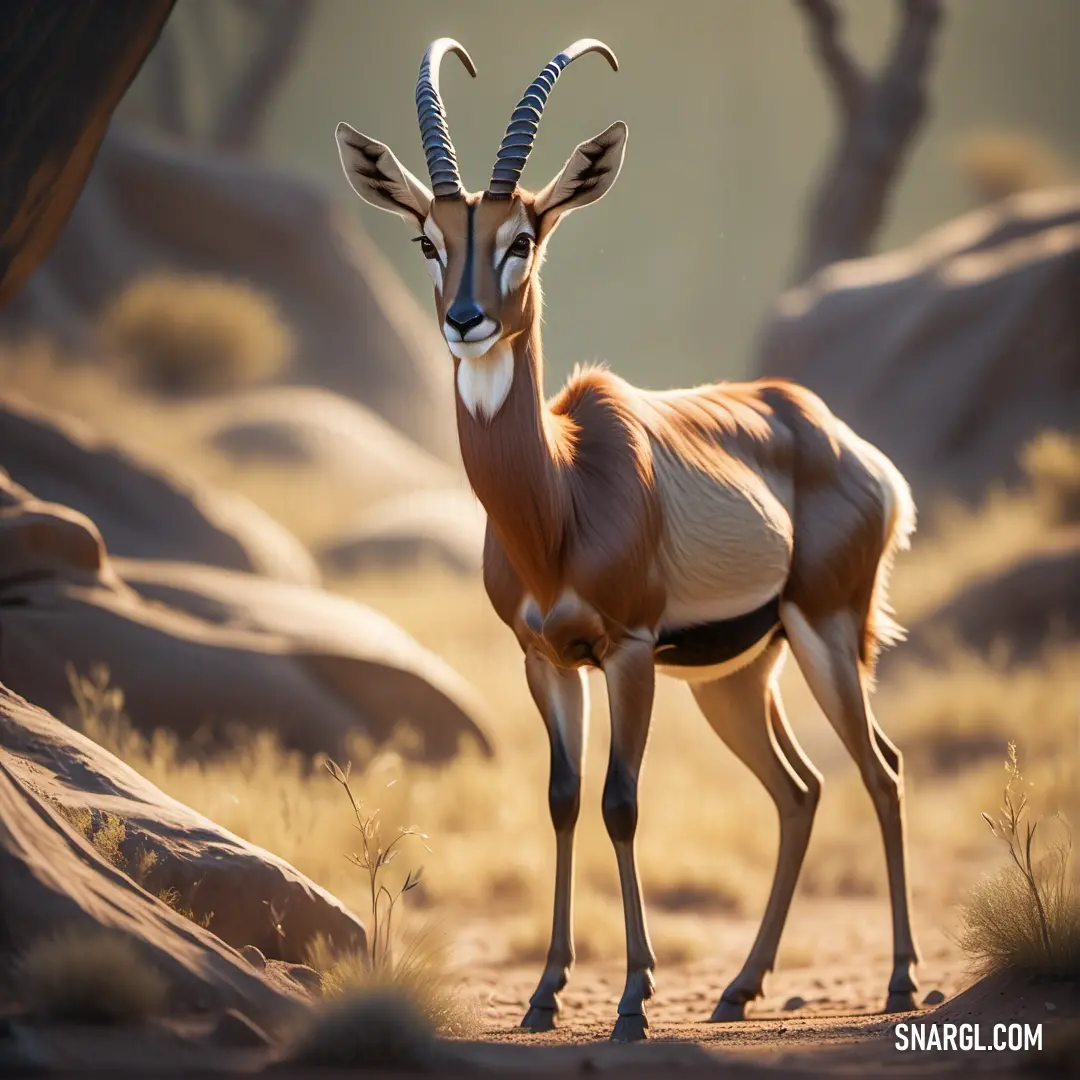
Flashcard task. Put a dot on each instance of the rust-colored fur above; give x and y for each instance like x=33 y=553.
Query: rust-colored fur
x=570 y=487
x=732 y=521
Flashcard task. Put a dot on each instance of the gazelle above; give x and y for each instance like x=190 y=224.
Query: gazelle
x=699 y=533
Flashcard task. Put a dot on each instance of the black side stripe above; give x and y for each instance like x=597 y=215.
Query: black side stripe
x=718 y=642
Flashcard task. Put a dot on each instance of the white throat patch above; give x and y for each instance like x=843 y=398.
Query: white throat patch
x=483 y=383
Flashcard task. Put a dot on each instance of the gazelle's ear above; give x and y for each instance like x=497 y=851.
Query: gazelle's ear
x=379 y=178
x=586 y=177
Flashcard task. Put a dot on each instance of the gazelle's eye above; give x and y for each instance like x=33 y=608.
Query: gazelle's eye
x=522 y=245
x=427 y=248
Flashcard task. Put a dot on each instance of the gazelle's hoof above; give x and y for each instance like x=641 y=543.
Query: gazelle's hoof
x=537 y=1019
x=632 y=1028
x=727 y=1012
x=900 y=1001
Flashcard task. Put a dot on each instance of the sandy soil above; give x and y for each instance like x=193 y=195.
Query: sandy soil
x=841 y=969
x=814 y=1021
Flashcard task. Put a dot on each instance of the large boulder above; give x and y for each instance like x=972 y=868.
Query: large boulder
x=214 y=873
x=1013 y=614
x=953 y=353
x=444 y=528
x=143 y=509
x=53 y=881
x=347 y=447
x=195 y=648
x=151 y=205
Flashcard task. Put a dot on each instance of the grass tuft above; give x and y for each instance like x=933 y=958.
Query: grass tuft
x=373 y=1027
x=414 y=973
x=89 y=977
x=416 y=976
x=181 y=335
x=1052 y=463
x=1027 y=916
x=997 y=164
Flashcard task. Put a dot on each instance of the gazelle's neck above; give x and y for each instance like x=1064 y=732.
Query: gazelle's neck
x=512 y=454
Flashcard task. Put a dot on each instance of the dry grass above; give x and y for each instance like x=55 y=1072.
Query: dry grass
x=972 y=707
x=996 y=164
x=376 y=1028
x=1052 y=461
x=89 y=977
x=1026 y=917
x=492 y=847
x=418 y=976
x=707 y=834
x=107 y=833
x=412 y=971
x=177 y=334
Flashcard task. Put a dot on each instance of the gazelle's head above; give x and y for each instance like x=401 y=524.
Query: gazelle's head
x=483 y=249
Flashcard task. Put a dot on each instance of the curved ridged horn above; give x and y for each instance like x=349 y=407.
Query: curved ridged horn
x=517 y=143
x=438 y=149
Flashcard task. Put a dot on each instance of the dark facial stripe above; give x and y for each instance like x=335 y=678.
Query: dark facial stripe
x=466 y=295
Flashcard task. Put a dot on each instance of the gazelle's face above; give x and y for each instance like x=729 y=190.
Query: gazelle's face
x=483 y=251
x=482 y=254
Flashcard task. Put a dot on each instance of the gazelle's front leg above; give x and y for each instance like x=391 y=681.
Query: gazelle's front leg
x=562 y=698
x=631 y=674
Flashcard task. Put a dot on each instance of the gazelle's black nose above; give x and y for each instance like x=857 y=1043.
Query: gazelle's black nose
x=463 y=317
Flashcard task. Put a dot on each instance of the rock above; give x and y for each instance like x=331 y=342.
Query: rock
x=195 y=648
x=444 y=527
x=142 y=509
x=951 y=354
x=151 y=205
x=794 y=1003
x=935 y=997
x=303 y=975
x=235 y=1029
x=253 y=956
x=52 y=879
x=1023 y=608
x=349 y=448
x=211 y=869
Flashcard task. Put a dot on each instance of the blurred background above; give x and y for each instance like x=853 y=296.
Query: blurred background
x=730 y=125
x=230 y=366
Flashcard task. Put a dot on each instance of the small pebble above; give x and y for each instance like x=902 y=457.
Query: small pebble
x=794 y=1003
x=935 y=997
x=253 y=956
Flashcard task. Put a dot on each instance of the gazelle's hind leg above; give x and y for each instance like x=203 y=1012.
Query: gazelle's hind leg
x=827 y=651
x=744 y=709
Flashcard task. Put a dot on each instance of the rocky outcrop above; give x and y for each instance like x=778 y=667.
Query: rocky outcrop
x=195 y=648
x=152 y=205
x=217 y=876
x=53 y=881
x=1013 y=614
x=143 y=509
x=347 y=447
x=953 y=353
x=445 y=528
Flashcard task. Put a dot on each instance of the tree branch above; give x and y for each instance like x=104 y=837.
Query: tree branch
x=242 y=116
x=881 y=119
x=846 y=78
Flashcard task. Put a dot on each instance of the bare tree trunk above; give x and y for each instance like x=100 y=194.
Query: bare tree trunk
x=241 y=118
x=880 y=115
